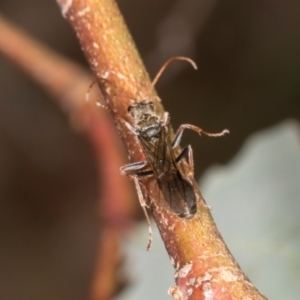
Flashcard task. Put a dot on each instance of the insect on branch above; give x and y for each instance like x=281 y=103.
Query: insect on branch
x=162 y=164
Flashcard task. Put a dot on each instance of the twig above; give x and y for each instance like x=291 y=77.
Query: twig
x=205 y=269
x=67 y=83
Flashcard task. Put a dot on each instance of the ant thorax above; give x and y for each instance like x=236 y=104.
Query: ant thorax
x=147 y=121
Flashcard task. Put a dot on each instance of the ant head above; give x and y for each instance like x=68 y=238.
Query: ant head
x=141 y=108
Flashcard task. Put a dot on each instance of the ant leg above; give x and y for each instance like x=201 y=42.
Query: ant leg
x=136 y=170
x=143 y=205
x=87 y=94
x=200 y=131
x=187 y=153
x=130 y=127
x=133 y=168
x=165 y=119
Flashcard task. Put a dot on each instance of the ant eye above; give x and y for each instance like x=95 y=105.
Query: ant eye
x=129 y=109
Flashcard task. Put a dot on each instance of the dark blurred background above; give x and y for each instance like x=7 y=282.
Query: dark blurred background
x=248 y=54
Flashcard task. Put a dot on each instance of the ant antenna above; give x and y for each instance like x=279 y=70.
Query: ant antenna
x=87 y=94
x=162 y=69
x=166 y=64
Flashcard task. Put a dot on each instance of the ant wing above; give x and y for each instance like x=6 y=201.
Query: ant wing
x=179 y=193
x=157 y=150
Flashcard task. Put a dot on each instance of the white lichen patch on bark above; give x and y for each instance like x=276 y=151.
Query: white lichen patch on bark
x=164 y=221
x=226 y=274
x=175 y=293
x=207 y=254
x=172 y=227
x=207 y=277
x=184 y=270
x=95 y=45
x=121 y=76
x=84 y=11
x=191 y=281
x=189 y=292
x=105 y=75
x=65 y=6
x=208 y=292
x=172 y=261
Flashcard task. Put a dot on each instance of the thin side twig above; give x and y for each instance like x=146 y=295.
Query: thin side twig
x=67 y=83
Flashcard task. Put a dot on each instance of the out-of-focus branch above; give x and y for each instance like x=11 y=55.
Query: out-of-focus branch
x=67 y=83
x=205 y=269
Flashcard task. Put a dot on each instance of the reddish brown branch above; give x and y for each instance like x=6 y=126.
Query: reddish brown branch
x=67 y=83
x=205 y=269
